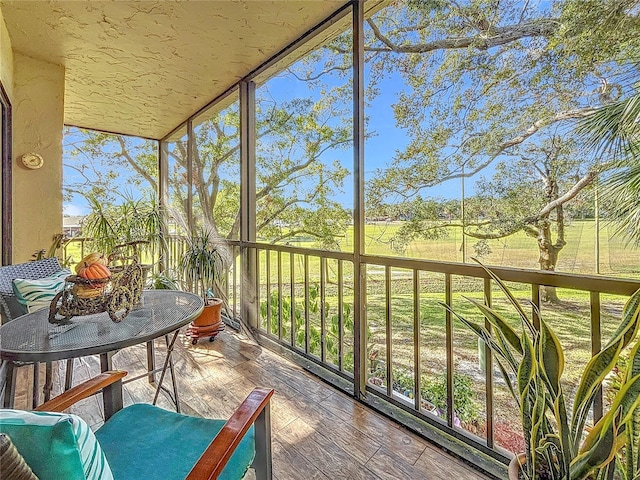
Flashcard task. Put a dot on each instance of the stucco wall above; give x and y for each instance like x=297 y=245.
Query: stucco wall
x=38 y=120
x=6 y=59
x=6 y=72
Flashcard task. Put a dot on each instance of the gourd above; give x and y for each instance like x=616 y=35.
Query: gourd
x=90 y=259
x=93 y=267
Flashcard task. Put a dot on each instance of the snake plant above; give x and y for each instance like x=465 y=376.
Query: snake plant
x=559 y=444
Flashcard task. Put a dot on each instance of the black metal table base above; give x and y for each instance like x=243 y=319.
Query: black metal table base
x=107 y=364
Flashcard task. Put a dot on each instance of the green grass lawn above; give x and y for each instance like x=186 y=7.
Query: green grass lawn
x=519 y=250
x=578 y=256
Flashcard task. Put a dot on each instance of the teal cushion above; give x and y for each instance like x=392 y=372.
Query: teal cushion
x=144 y=441
x=56 y=445
x=37 y=294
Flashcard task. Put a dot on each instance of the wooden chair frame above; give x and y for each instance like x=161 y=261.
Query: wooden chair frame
x=254 y=410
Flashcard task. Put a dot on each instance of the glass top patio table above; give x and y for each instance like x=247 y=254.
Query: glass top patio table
x=31 y=338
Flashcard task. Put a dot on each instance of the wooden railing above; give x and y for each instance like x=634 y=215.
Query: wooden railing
x=305 y=302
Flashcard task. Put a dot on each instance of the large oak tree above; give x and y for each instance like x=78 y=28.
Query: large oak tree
x=498 y=84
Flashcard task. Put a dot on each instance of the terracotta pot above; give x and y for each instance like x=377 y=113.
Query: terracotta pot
x=515 y=465
x=211 y=315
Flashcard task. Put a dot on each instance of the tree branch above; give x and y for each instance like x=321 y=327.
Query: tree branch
x=124 y=152
x=293 y=233
x=570 y=194
x=316 y=77
x=286 y=174
x=274 y=214
x=493 y=235
x=529 y=132
x=484 y=40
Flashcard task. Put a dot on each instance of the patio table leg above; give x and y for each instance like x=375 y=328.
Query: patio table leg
x=173 y=375
x=68 y=379
x=9 y=384
x=36 y=385
x=151 y=361
x=168 y=361
x=48 y=381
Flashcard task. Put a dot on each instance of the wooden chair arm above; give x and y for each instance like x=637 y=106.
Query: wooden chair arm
x=84 y=390
x=219 y=451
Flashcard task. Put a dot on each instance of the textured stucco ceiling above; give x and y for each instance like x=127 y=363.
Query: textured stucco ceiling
x=142 y=67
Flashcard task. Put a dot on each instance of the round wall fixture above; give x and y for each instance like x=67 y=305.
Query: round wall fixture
x=32 y=160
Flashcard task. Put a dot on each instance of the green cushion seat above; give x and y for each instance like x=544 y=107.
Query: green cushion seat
x=145 y=441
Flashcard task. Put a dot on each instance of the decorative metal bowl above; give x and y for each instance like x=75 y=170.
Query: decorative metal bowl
x=116 y=295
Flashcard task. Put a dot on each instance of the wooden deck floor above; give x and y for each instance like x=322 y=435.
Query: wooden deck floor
x=318 y=432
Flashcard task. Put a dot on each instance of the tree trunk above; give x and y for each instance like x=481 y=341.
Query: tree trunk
x=549 y=294
x=548 y=258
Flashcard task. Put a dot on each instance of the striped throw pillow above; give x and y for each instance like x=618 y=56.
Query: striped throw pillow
x=37 y=294
x=56 y=445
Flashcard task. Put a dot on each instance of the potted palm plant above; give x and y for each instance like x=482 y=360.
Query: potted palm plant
x=559 y=444
x=202 y=264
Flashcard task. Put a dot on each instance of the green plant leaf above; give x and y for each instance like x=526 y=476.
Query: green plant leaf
x=527 y=368
x=551 y=448
x=592 y=377
x=598 y=449
x=506 y=344
x=633 y=366
x=528 y=395
x=627 y=399
x=500 y=324
x=537 y=429
x=507 y=381
x=551 y=358
x=599 y=446
x=565 y=453
x=509 y=295
x=630 y=321
x=202 y=261
x=481 y=332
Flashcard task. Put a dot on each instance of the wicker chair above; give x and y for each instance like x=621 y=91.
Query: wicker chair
x=12 y=309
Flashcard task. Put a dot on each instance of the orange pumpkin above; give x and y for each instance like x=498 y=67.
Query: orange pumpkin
x=92 y=258
x=94 y=271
